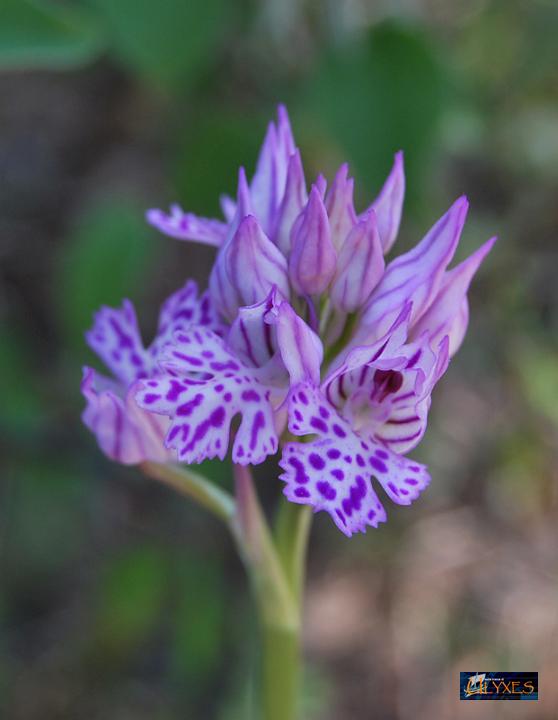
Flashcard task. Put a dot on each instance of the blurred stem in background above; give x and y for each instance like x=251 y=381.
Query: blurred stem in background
x=275 y=563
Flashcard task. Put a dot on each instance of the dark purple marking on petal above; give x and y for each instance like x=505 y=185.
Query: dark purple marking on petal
x=414 y=360
x=338 y=474
x=338 y=430
x=324 y=412
x=333 y=454
x=382 y=454
x=259 y=424
x=221 y=366
x=348 y=459
x=188 y=407
x=301 y=492
x=325 y=489
x=393 y=488
x=414 y=468
x=303 y=398
x=378 y=465
x=298 y=415
x=150 y=398
x=219 y=388
x=300 y=474
x=227 y=397
x=316 y=461
x=196 y=362
x=217 y=417
x=250 y=396
x=360 y=460
x=318 y=424
x=410 y=481
x=341 y=516
x=173 y=433
x=347 y=506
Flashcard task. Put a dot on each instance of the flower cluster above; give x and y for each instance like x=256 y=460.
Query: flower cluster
x=306 y=339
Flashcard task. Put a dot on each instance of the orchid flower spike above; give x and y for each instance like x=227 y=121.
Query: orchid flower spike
x=306 y=344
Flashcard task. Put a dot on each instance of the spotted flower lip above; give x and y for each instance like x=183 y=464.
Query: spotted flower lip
x=306 y=344
x=125 y=432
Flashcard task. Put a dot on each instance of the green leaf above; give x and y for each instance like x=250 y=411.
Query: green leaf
x=380 y=95
x=169 y=42
x=104 y=260
x=35 y=34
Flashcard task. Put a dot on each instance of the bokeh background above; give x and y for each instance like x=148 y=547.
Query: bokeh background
x=118 y=599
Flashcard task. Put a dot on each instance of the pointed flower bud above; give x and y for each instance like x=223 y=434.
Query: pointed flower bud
x=359 y=267
x=313 y=257
x=339 y=205
x=294 y=200
x=389 y=204
x=247 y=269
x=449 y=313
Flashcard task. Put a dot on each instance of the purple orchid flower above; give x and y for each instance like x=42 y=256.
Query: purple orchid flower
x=304 y=328
x=124 y=431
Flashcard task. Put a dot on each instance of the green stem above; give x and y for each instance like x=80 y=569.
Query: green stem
x=195 y=486
x=292 y=530
x=276 y=570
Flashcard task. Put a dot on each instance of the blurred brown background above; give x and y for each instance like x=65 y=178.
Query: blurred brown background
x=117 y=599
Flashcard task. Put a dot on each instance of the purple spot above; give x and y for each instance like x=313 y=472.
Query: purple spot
x=189 y=407
x=136 y=360
x=300 y=475
x=219 y=366
x=325 y=489
x=338 y=474
x=324 y=412
x=341 y=516
x=298 y=415
x=259 y=424
x=318 y=424
x=378 y=465
x=403 y=491
x=208 y=354
x=240 y=451
x=348 y=459
x=303 y=397
x=382 y=454
x=338 y=430
x=414 y=468
x=347 y=506
x=410 y=481
x=217 y=417
x=250 y=396
x=173 y=433
x=333 y=454
x=316 y=461
x=227 y=397
x=219 y=388
x=301 y=492
x=360 y=460
x=371 y=515
x=150 y=398
x=196 y=362
x=393 y=489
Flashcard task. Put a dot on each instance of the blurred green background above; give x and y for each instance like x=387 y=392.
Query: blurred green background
x=117 y=599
